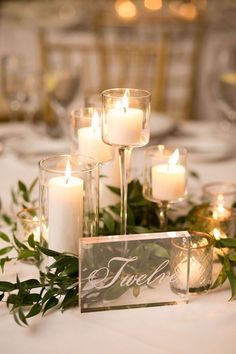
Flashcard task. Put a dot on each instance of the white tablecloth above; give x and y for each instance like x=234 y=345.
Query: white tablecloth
x=206 y=325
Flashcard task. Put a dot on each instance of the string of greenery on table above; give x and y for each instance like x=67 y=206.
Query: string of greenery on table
x=57 y=286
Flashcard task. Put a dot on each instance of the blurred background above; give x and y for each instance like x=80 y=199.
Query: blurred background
x=57 y=55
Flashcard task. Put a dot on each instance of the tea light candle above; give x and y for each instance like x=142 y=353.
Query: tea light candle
x=65 y=212
x=90 y=141
x=168 y=180
x=219 y=211
x=124 y=124
x=195 y=271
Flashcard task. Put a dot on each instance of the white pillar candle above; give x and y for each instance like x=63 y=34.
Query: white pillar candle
x=110 y=176
x=90 y=142
x=65 y=213
x=168 y=180
x=124 y=124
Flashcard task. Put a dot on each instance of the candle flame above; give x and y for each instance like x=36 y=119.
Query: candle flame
x=68 y=171
x=218 y=234
x=174 y=158
x=220 y=199
x=219 y=210
x=123 y=104
x=95 y=121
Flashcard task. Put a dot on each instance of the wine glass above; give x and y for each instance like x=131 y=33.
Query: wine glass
x=223 y=85
x=62 y=85
x=12 y=83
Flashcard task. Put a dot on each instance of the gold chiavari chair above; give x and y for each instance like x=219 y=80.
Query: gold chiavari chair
x=167 y=67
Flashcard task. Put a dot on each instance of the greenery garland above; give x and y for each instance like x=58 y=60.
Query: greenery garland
x=57 y=287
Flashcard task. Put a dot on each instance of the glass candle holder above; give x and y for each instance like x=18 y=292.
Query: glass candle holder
x=200 y=262
x=220 y=222
x=86 y=135
x=165 y=177
x=125 y=124
x=68 y=200
x=219 y=193
x=28 y=223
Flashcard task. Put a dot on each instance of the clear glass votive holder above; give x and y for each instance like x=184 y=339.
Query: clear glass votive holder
x=219 y=192
x=165 y=177
x=125 y=114
x=28 y=223
x=68 y=200
x=220 y=222
x=86 y=135
x=200 y=262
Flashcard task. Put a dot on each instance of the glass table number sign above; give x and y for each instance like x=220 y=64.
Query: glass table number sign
x=133 y=271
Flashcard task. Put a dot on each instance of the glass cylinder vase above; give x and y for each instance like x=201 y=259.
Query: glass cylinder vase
x=68 y=200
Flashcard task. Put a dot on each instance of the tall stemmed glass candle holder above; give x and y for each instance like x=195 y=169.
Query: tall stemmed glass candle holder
x=165 y=177
x=125 y=124
x=68 y=200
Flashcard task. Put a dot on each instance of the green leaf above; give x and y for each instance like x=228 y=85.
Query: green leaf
x=109 y=221
x=22 y=187
x=114 y=291
x=35 y=310
x=194 y=174
x=3 y=261
x=22 y=316
x=4 y=237
x=50 y=293
x=33 y=185
x=19 y=244
x=31 y=241
x=232 y=256
x=227 y=242
x=6 y=286
x=232 y=281
x=31 y=283
x=222 y=276
x=24 y=254
x=5 y=250
x=53 y=301
x=16 y=319
x=115 y=190
x=8 y=220
x=49 y=252
x=70 y=299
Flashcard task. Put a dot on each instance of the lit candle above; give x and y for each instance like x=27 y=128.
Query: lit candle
x=124 y=124
x=65 y=212
x=90 y=141
x=220 y=212
x=168 y=180
x=195 y=272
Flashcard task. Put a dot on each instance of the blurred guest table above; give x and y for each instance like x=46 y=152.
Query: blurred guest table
x=206 y=325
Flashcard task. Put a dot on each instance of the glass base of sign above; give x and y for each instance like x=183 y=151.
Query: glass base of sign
x=198 y=290
x=123 y=272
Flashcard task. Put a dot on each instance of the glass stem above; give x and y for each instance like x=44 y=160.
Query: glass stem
x=123 y=160
x=163 y=208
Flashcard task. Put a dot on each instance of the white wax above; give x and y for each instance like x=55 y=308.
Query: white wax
x=168 y=182
x=90 y=144
x=195 y=274
x=65 y=213
x=124 y=127
x=110 y=176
